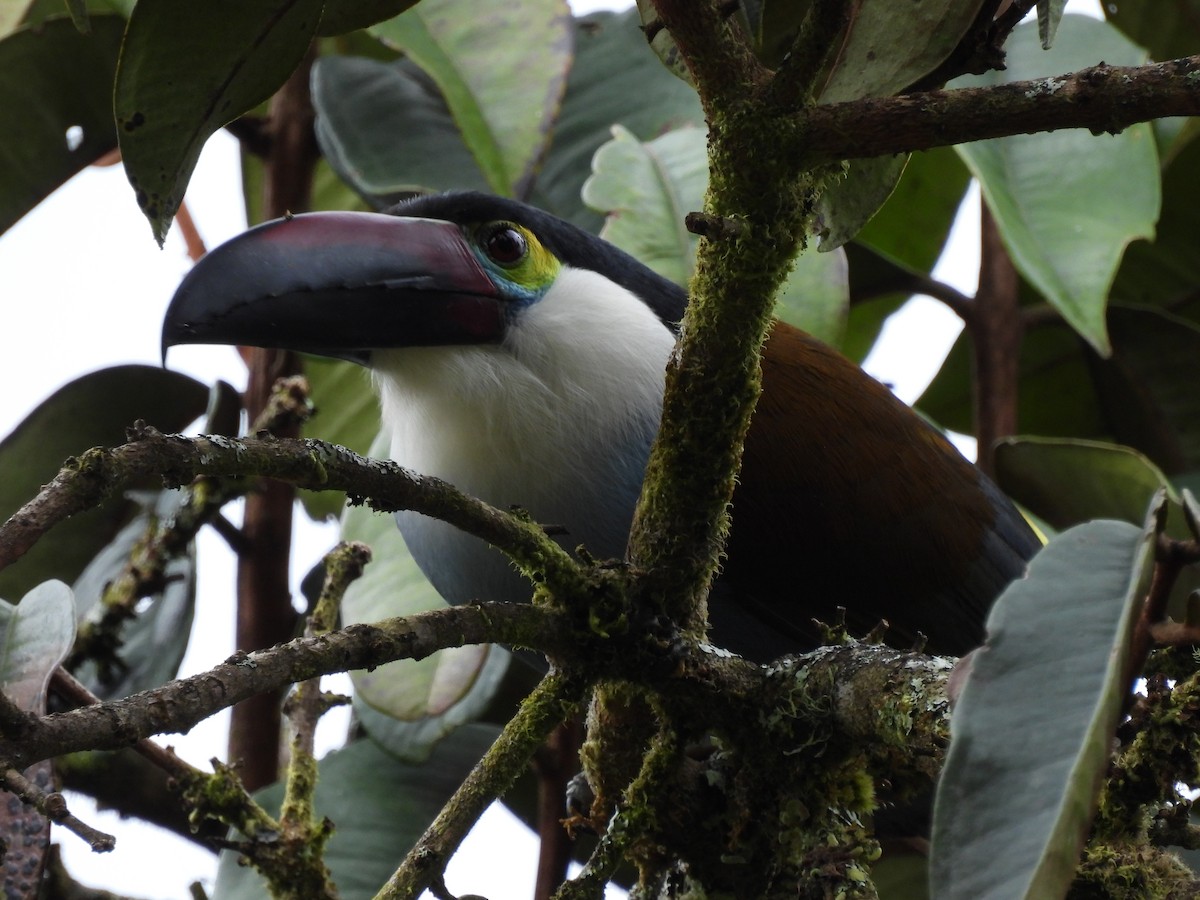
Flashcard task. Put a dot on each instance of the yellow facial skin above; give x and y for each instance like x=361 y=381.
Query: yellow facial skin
x=522 y=267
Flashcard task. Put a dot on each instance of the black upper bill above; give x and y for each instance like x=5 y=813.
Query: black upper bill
x=338 y=284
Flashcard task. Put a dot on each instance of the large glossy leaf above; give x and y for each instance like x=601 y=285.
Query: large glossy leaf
x=439 y=692
x=342 y=16
x=35 y=636
x=188 y=68
x=1067 y=482
x=501 y=71
x=1140 y=396
x=379 y=807
x=907 y=234
x=55 y=93
x=1032 y=727
x=1167 y=30
x=1068 y=202
x=912 y=227
x=1165 y=271
x=884 y=52
x=154 y=641
x=888 y=49
x=615 y=80
x=815 y=296
x=849 y=204
x=1146 y=389
x=646 y=190
x=387 y=131
x=91 y=411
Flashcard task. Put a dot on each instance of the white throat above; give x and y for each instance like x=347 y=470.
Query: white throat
x=557 y=419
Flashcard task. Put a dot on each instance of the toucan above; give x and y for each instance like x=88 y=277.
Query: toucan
x=522 y=359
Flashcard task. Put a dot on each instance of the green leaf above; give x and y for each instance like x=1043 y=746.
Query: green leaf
x=502 y=76
x=615 y=80
x=93 y=410
x=1049 y=14
x=1069 y=481
x=78 y=11
x=1165 y=271
x=38 y=633
x=815 y=296
x=773 y=26
x=903 y=238
x=1067 y=203
x=154 y=641
x=379 y=807
x=913 y=225
x=55 y=92
x=886 y=51
x=1167 y=30
x=646 y=190
x=663 y=43
x=846 y=206
x=452 y=684
x=347 y=413
x=901 y=876
x=1140 y=396
x=188 y=68
x=343 y=16
x=386 y=130
x=1032 y=727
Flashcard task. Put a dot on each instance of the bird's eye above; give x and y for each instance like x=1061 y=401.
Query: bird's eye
x=505 y=245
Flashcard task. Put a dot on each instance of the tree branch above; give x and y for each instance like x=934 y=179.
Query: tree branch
x=1102 y=99
x=552 y=702
x=180 y=705
x=385 y=486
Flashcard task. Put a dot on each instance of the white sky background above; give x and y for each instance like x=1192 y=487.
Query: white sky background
x=84 y=286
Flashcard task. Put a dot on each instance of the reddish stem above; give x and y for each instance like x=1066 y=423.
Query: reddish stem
x=996 y=329
x=265 y=614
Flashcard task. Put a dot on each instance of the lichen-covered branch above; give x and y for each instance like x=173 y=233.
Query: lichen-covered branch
x=180 y=705
x=1101 y=99
x=316 y=465
x=555 y=699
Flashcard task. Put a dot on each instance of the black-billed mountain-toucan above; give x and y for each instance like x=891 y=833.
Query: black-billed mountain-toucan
x=522 y=359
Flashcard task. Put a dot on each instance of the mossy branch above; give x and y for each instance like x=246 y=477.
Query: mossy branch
x=180 y=705
x=713 y=381
x=552 y=702
x=85 y=481
x=1101 y=99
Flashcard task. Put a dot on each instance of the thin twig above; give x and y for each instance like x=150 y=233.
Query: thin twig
x=180 y=705
x=53 y=806
x=552 y=702
x=316 y=465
